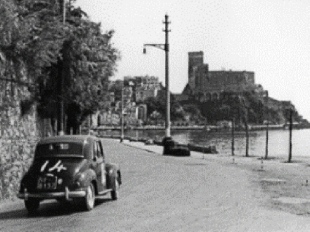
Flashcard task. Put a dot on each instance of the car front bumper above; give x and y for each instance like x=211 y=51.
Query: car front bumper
x=67 y=194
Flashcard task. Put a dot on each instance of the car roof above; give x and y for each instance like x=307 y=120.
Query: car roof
x=67 y=138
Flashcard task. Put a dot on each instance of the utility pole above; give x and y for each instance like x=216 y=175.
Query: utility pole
x=166 y=30
x=165 y=47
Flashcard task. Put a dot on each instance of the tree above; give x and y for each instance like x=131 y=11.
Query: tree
x=32 y=34
x=31 y=37
x=89 y=62
x=155 y=104
x=36 y=45
x=193 y=111
x=158 y=104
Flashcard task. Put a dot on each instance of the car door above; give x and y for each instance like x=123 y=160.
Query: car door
x=102 y=164
x=99 y=167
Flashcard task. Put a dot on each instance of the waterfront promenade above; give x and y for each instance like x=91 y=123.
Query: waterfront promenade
x=206 y=192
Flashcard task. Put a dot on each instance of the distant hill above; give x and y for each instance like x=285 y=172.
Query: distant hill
x=241 y=106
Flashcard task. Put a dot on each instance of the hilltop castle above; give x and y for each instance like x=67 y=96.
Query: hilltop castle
x=206 y=85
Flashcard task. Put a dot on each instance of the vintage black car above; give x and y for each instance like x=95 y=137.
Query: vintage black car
x=69 y=168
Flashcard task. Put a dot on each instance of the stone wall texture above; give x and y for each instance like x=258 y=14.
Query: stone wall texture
x=18 y=137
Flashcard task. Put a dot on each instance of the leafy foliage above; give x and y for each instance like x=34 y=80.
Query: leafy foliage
x=158 y=104
x=31 y=35
x=246 y=106
x=89 y=62
x=36 y=44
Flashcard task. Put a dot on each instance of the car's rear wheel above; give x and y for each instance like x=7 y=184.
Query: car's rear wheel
x=32 y=205
x=115 y=191
x=89 y=201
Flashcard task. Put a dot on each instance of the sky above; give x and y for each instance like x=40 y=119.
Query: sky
x=268 y=37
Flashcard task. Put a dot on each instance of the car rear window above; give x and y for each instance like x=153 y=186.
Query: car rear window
x=63 y=149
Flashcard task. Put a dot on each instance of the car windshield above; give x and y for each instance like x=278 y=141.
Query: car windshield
x=64 y=149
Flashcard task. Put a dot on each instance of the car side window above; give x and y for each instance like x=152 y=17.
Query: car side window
x=100 y=149
x=95 y=150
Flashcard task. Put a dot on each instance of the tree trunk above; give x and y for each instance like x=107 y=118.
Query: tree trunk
x=267 y=140
x=247 y=140
x=246 y=134
x=233 y=137
x=73 y=115
x=290 y=139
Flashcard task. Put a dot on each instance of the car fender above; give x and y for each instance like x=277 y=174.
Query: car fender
x=89 y=176
x=113 y=171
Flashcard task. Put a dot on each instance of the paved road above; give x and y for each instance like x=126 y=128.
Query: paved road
x=161 y=193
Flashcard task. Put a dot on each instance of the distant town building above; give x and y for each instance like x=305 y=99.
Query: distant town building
x=127 y=96
x=142 y=112
x=143 y=86
x=144 y=92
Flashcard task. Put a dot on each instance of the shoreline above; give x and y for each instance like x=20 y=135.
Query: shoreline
x=206 y=128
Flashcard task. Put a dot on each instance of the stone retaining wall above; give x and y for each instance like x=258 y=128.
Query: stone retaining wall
x=18 y=136
x=16 y=157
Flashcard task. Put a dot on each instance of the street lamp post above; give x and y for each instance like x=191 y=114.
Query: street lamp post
x=165 y=47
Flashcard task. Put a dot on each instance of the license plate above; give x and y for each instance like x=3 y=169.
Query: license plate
x=47 y=182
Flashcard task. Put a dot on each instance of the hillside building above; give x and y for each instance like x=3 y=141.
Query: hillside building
x=144 y=86
x=132 y=91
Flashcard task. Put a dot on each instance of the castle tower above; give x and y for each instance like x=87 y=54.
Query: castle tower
x=195 y=59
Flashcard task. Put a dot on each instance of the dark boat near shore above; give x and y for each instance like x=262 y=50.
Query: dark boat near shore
x=148 y=141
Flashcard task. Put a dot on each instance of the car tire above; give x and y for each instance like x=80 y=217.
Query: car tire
x=32 y=205
x=115 y=190
x=89 y=200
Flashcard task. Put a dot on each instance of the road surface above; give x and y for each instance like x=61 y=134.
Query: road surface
x=162 y=193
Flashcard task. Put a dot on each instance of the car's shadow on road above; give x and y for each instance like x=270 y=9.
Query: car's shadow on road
x=102 y=200
x=48 y=209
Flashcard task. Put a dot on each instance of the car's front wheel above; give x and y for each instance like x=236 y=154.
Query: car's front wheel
x=32 y=205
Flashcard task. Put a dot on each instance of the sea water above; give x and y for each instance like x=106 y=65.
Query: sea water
x=278 y=141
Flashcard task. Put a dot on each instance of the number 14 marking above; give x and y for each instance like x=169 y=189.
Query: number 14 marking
x=58 y=166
